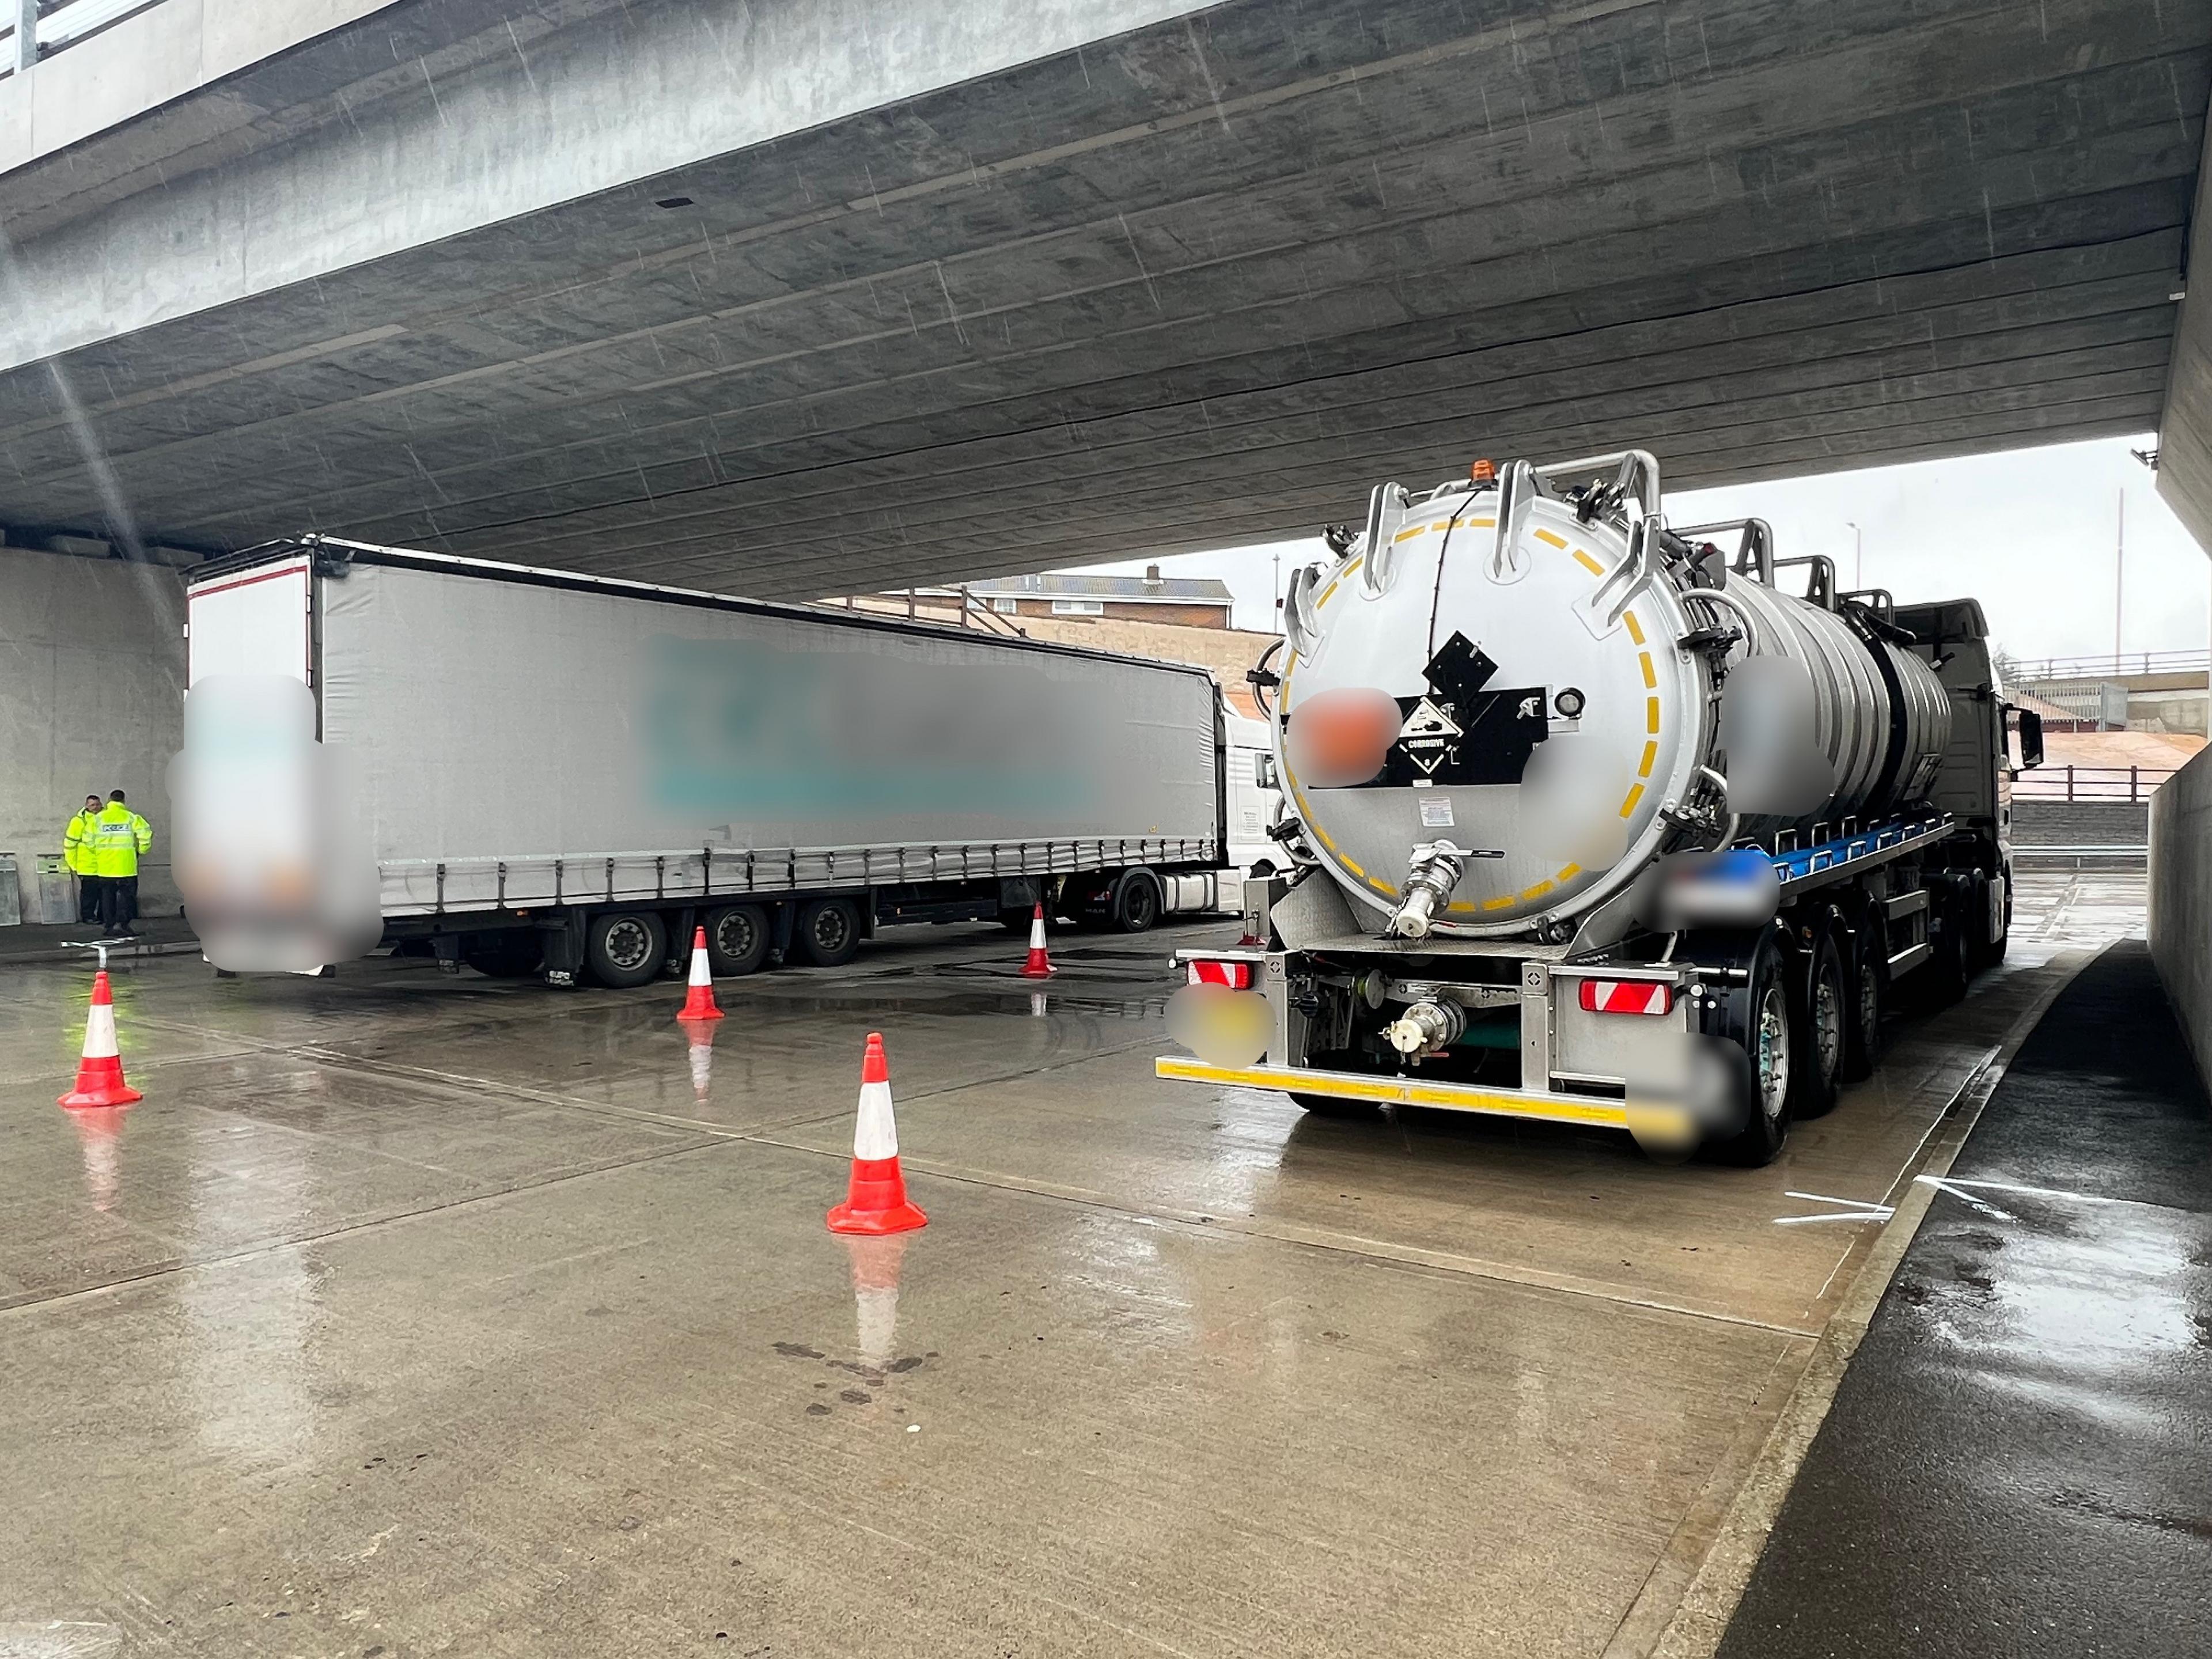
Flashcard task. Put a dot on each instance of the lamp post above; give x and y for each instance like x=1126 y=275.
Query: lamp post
x=1858 y=556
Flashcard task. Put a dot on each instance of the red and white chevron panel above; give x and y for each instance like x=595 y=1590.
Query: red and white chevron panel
x=1236 y=975
x=1627 y=996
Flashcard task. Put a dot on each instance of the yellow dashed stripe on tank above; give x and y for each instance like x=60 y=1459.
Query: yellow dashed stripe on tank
x=1635 y=628
x=1650 y=674
x=1538 y=891
x=1635 y=794
x=1589 y=563
x=1550 y=540
x=1651 y=715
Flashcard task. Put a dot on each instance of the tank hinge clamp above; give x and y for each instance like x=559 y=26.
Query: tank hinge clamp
x=1718 y=640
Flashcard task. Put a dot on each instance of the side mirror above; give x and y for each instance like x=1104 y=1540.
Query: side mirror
x=2030 y=727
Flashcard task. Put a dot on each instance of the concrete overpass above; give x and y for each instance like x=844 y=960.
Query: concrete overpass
x=797 y=297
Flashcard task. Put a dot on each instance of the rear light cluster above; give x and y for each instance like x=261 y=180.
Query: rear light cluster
x=1627 y=996
x=1236 y=975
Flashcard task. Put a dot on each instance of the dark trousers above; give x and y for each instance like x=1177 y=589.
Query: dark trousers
x=119 y=902
x=88 y=898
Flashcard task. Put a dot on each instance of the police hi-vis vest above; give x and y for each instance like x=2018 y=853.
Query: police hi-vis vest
x=118 y=837
x=76 y=843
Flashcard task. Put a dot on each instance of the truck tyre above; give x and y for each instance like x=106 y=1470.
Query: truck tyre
x=1867 y=995
x=828 y=933
x=1944 y=975
x=1824 y=1022
x=1767 y=1037
x=1135 y=905
x=515 y=954
x=736 y=940
x=1331 y=1106
x=624 y=949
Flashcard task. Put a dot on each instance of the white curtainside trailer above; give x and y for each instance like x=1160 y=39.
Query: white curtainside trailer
x=562 y=773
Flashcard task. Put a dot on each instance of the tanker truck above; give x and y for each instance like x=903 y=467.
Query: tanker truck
x=1588 y=819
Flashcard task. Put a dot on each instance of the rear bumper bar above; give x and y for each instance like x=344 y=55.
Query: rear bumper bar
x=1402 y=1091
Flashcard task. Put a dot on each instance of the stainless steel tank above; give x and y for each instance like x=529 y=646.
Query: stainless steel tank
x=1562 y=678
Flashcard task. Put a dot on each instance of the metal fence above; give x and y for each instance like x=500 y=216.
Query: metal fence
x=31 y=29
x=2111 y=667
x=2090 y=783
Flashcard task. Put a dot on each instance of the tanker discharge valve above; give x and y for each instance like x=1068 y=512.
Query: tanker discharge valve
x=1434 y=871
x=1425 y=1028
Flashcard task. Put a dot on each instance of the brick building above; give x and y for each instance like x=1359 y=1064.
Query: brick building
x=1185 y=601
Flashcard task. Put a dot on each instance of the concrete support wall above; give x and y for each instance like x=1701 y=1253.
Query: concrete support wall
x=2181 y=900
x=92 y=686
x=2185 y=430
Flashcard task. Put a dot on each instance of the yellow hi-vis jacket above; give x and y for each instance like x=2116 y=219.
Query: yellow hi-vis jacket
x=118 y=837
x=76 y=843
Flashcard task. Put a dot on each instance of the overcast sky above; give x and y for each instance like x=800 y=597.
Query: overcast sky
x=2030 y=533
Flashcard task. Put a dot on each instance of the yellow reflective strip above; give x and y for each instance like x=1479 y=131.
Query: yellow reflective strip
x=1538 y=891
x=1589 y=563
x=1650 y=674
x=1408 y=535
x=1635 y=794
x=1496 y=903
x=1568 y=872
x=1476 y=523
x=1177 y=1069
x=1555 y=541
x=1346 y=860
x=1650 y=754
x=1440 y=524
x=1325 y=592
x=1635 y=628
x=1461 y=907
x=1651 y=715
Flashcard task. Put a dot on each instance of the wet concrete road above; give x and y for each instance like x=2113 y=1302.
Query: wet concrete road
x=411 y=1314
x=2016 y=1461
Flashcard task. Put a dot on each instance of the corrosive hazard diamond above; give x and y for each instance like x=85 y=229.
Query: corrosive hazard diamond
x=1427 y=720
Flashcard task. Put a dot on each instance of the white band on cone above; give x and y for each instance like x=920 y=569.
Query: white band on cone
x=873 y=1135
x=1036 y=933
x=99 y=1032
x=700 y=973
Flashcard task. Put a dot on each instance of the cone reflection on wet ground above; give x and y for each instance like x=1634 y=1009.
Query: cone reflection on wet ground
x=876 y=1264
x=99 y=1139
x=701 y=1034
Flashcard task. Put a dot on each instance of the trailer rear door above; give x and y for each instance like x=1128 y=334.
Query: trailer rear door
x=257 y=621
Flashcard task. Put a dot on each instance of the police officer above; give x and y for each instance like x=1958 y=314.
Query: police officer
x=76 y=854
x=119 y=835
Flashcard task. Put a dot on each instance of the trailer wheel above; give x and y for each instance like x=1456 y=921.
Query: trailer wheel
x=625 y=948
x=829 y=932
x=1824 y=1020
x=515 y=953
x=736 y=940
x=1761 y=1025
x=1136 y=902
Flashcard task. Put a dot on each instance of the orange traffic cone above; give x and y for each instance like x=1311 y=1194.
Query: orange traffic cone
x=699 y=1001
x=99 y=1072
x=1039 y=966
x=875 y=1202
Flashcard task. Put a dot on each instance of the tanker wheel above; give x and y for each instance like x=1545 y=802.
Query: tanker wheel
x=1331 y=1106
x=1863 y=1034
x=1943 y=977
x=1824 y=1018
x=1766 y=1035
x=736 y=940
